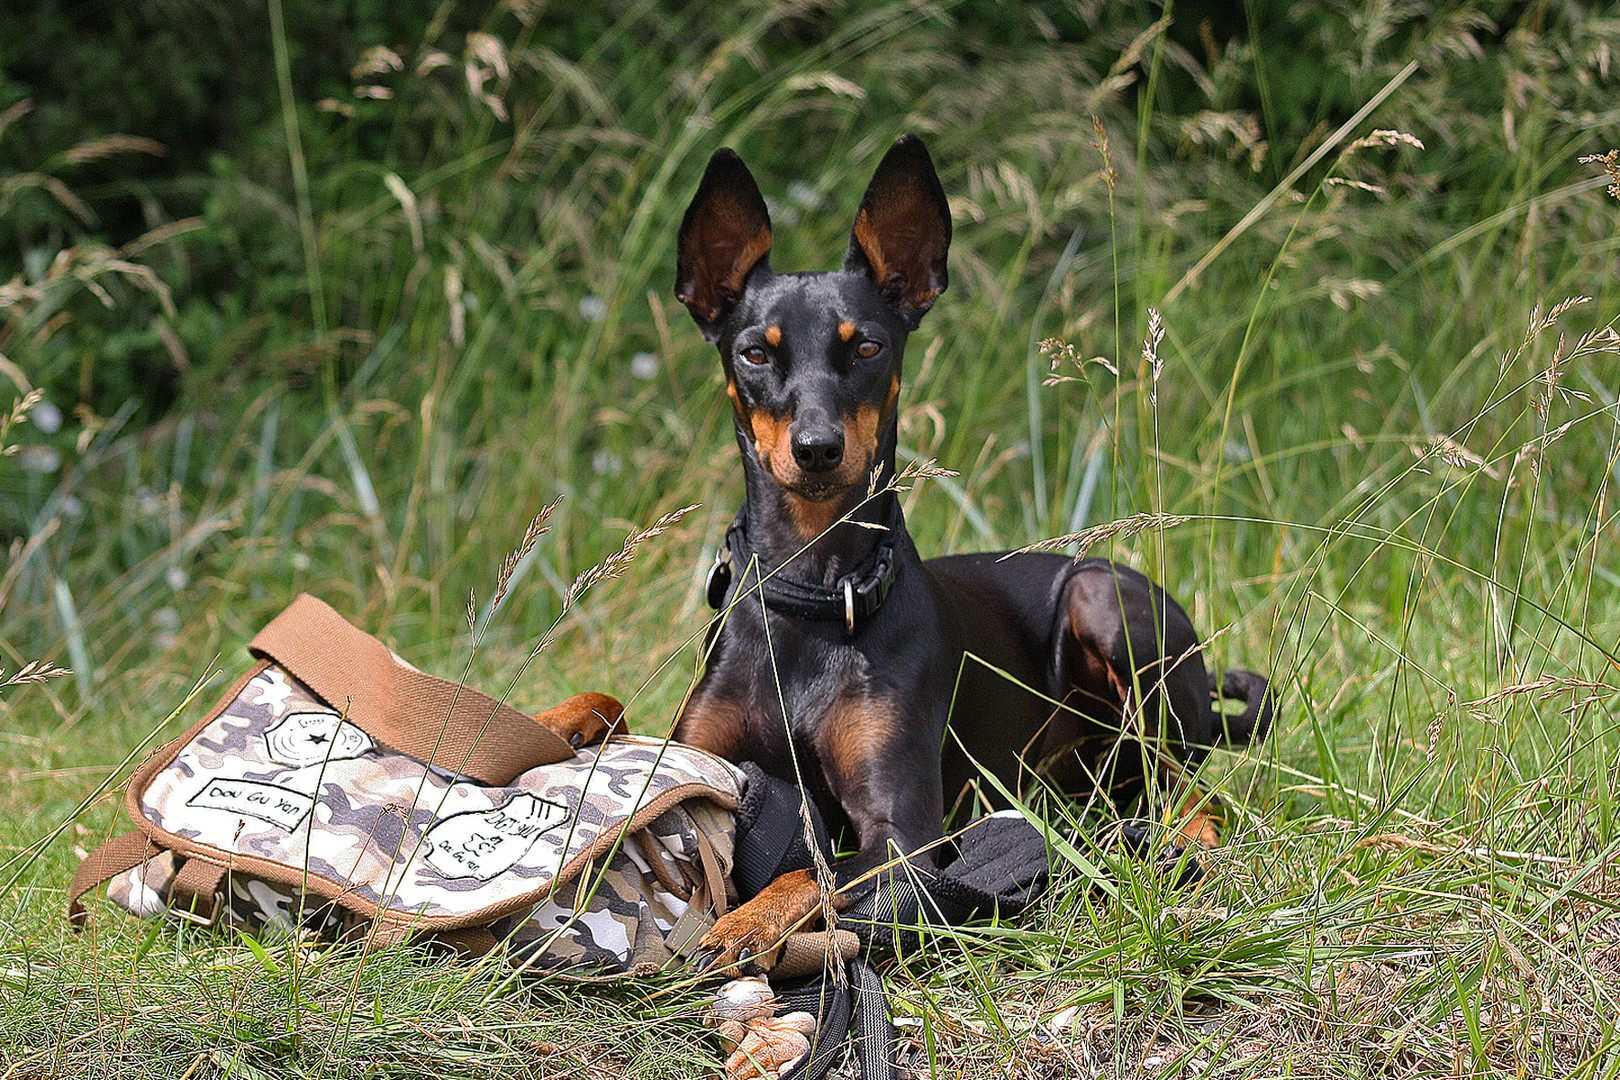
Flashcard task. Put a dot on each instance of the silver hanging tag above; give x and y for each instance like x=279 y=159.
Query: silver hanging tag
x=719 y=581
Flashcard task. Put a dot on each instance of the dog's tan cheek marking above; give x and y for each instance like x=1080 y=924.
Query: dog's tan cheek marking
x=773 y=335
x=862 y=431
x=863 y=428
x=742 y=411
x=771 y=440
x=846 y=331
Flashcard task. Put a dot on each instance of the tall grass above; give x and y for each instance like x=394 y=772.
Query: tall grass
x=1386 y=407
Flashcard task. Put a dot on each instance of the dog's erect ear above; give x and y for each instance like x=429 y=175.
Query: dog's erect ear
x=903 y=230
x=725 y=234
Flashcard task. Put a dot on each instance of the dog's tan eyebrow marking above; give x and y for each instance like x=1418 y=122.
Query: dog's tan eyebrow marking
x=774 y=336
x=846 y=330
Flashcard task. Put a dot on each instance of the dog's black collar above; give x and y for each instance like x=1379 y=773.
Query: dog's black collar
x=854 y=597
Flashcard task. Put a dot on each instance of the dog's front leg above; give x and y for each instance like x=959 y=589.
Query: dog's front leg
x=886 y=781
x=752 y=936
x=885 y=774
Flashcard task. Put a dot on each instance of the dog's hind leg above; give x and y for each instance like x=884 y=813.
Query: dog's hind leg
x=1130 y=670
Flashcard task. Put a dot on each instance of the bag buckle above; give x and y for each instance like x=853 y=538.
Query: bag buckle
x=208 y=917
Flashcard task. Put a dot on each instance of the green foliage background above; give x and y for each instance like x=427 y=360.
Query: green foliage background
x=335 y=297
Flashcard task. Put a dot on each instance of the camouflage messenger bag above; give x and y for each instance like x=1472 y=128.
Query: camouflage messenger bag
x=336 y=788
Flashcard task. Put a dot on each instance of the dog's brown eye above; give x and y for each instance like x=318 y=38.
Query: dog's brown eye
x=868 y=349
x=754 y=354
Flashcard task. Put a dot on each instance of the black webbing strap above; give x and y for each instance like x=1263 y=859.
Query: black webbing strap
x=855 y=1004
x=770 y=832
x=831 y=1003
x=874 y=1031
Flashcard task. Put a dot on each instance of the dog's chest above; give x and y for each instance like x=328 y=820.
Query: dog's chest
x=797 y=699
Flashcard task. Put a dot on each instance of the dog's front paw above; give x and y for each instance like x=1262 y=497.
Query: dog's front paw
x=752 y=937
x=585 y=719
x=748 y=941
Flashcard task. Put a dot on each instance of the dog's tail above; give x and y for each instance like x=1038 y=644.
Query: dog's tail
x=1251 y=725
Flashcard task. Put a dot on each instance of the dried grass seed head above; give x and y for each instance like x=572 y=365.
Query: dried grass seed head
x=1123 y=529
x=615 y=565
x=537 y=528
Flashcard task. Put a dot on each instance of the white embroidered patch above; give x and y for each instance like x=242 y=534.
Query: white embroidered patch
x=485 y=843
x=279 y=806
x=308 y=737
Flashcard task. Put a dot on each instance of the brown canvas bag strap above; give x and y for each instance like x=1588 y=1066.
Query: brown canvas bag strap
x=469 y=941
x=713 y=878
x=195 y=894
x=431 y=719
x=103 y=864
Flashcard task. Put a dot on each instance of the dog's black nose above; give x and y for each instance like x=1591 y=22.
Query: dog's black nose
x=818 y=449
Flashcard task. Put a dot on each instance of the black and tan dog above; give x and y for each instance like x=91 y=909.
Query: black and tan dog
x=842 y=655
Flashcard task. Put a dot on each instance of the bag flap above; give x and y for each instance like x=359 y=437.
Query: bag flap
x=282 y=786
